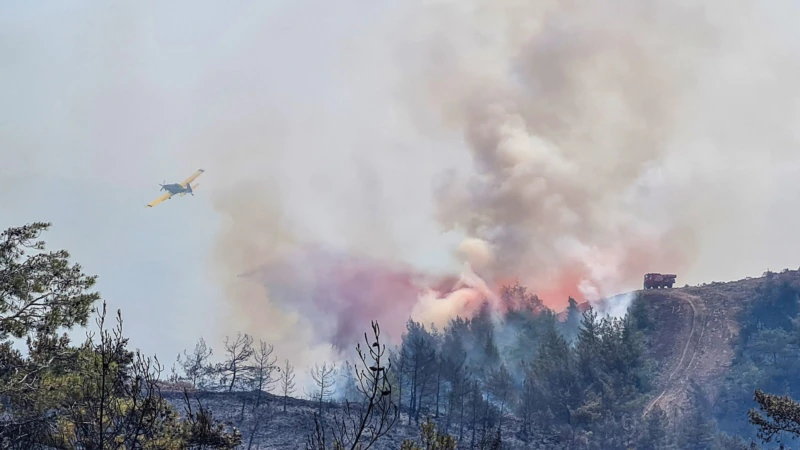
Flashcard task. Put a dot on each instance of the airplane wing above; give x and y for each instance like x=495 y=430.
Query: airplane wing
x=185 y=182
x=159 y=200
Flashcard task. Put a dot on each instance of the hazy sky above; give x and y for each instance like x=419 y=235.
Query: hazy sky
x=91 y=122
x=102 y=102
x=338 y=121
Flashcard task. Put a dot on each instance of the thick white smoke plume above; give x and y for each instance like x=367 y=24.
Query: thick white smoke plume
x=564 y=108
x=387 y=159
x=604 y=140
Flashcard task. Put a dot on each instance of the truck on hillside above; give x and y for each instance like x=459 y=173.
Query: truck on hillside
x=658 y=280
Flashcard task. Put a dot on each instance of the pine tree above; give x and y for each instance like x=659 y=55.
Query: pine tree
x=501 y=386
x=287 y=382
x=554 y=377
x=490 y=352
x=196 y=366
x=655 y=434
x=573 y=322
x=97 y=395
x=781 y=416
x=699 y=427
x=419 y=363
x=588 y=348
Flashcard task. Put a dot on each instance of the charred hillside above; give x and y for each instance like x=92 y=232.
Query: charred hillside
x=685 y=361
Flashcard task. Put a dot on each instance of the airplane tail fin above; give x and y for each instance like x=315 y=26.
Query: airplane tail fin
x=192 y=188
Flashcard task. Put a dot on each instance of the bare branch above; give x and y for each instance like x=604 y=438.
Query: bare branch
x=360 y=425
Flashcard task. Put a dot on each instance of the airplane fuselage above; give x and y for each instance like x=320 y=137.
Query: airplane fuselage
x=175 y=188
x=180 y=189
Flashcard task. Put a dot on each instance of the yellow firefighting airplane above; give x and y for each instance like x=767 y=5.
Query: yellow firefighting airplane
x=180 y=189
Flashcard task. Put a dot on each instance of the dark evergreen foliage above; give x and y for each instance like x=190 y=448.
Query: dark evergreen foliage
x=98 y=395
x=579 y=384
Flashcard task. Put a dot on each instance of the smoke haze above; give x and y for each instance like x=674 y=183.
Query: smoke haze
x=396 y=160
x=581 y=125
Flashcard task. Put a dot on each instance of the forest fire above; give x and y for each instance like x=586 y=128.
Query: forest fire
x=338 y=293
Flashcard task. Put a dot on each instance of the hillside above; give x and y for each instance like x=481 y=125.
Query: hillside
x=694 y=335
x=276 y=429
x=691 y=335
